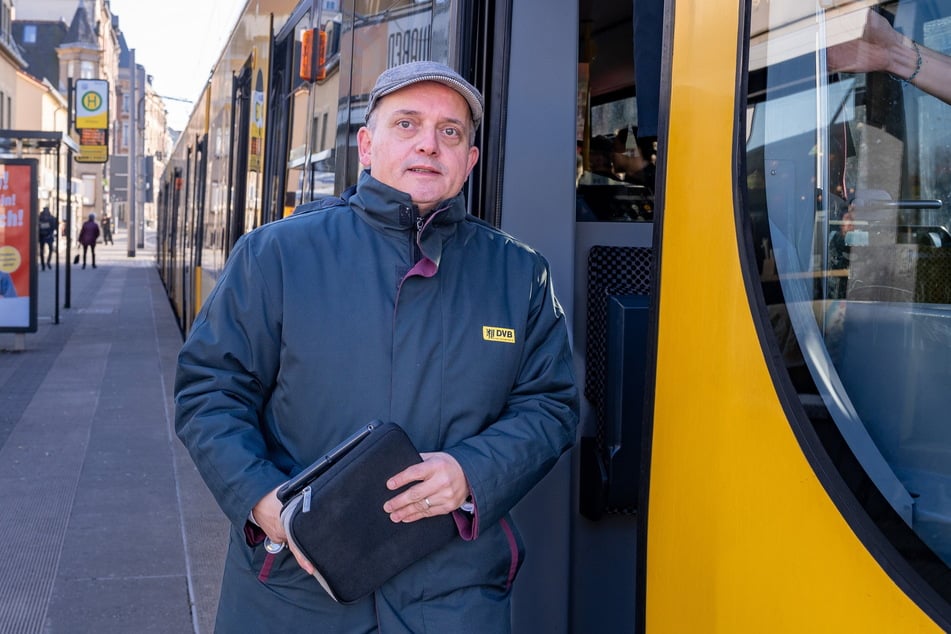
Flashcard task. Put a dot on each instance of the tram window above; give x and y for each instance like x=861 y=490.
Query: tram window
x=298 y=148
x=298 y=116
x=372 y=39
x=848 y=191
x=616 y=156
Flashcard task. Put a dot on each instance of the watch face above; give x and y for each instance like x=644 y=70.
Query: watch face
x=273 y=547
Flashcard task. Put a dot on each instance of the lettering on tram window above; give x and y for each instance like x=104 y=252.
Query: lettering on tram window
x=409 y=45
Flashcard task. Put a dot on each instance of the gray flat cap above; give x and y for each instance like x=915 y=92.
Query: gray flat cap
x=399 y=77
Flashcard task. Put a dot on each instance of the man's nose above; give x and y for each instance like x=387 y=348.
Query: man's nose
x=428 y=141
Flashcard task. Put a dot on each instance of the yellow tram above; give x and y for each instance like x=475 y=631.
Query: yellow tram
x=746 y=206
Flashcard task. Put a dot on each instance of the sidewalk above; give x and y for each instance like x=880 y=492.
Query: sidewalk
x=107 y=526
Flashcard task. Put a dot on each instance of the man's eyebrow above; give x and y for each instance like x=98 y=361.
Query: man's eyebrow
x=407 y=112
x=458 y=122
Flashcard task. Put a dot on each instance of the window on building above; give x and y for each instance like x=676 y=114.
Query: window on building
x=89 y=189
x=29 y=34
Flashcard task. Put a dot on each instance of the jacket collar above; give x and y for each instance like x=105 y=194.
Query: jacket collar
x=386 y=208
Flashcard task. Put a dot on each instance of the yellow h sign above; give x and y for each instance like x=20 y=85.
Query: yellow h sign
x=92 y=104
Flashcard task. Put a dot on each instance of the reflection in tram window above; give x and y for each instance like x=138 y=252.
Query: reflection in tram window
x=617 y=144
x=385 y=36
x=849 y=201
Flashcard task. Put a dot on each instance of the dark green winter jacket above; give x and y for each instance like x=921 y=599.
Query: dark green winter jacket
x=361 y=310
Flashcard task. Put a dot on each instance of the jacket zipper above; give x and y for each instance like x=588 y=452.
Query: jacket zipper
x=417 y=230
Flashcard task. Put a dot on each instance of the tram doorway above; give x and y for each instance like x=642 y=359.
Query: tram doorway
x=600 y=117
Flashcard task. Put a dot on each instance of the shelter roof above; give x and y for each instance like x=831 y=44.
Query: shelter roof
x=35 y=141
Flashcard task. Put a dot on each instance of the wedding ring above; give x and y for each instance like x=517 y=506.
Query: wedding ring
x=428 y=503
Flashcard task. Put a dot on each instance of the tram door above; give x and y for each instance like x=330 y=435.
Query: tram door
x=187 y=255
x=561 y=85
x=238 y=170
x=580 y=149
x=275 y=180
x=194 y=294
x=175 y=237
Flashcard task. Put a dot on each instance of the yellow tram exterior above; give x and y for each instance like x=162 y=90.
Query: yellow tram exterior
x=741 y=466
x=742 y=535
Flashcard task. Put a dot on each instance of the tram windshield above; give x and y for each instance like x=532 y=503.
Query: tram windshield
x=848 y=193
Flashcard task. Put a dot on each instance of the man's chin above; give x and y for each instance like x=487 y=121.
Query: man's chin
x=425 y=200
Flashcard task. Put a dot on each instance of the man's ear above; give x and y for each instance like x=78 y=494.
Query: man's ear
x=473 y=159
x=364 y=142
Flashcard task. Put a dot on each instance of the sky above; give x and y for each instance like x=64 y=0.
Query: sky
x=177 y=42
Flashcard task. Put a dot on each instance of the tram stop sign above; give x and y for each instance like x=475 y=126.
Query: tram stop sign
x=92 y=104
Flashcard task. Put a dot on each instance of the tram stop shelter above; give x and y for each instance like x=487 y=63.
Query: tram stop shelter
x=23 y=148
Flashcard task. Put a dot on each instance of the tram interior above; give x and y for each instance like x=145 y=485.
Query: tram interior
x=617 y=125
x=619 y=55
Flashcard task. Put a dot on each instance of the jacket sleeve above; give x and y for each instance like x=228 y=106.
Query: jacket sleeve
x=226 y=371
x=538 y=423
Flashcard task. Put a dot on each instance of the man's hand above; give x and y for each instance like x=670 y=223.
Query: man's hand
x=441 y=487
x=267 y=515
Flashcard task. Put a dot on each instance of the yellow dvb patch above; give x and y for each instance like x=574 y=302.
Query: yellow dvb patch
x=494 y=333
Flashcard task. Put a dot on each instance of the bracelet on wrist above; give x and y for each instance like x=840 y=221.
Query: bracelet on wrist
x=917 y=70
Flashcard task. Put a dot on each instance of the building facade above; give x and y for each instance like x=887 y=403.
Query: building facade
x=40 y=107
x=152 y=142
x=11 y=63
x=63 y=41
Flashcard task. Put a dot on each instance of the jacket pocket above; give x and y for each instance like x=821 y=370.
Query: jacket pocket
x=516 y=549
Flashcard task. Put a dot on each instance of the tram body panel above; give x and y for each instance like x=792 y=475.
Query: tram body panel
x=742 y=535
x=544 y=219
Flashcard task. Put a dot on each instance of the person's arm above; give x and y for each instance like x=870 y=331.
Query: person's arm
x=226 y=369
x=882 y=48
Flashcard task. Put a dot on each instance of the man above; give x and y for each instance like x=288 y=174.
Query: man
x=392 y=304
x=46 y=225
x=106 y=229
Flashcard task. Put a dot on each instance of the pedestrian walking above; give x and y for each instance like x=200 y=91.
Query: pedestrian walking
x=46 y=234
x=88 y=236
x=106 y=229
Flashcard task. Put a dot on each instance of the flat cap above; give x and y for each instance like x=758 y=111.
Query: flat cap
x=399 y=77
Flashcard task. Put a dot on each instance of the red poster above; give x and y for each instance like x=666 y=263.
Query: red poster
x=17 y=246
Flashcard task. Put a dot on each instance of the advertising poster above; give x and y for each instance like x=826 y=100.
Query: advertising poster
x=17 y=245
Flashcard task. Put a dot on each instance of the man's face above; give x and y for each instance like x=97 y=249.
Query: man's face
x=419 y=143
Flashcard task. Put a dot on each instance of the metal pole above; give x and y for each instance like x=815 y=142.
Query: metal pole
x=69 y=200
x=56 y=240
x=140 y=173
x=133 y=172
